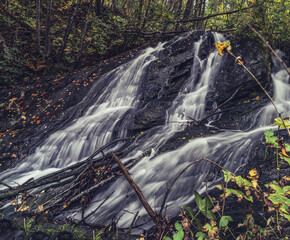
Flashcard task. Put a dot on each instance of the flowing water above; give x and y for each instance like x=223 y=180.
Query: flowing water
x=108 y=116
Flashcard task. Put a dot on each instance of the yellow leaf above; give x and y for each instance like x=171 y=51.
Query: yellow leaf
x=12 y=99
x=40 y=208
x=253 y=174
x=23 y=117
x=142 y=132
x=221 y=47
x=255 y=184
x=287 y=178
x=283 y=150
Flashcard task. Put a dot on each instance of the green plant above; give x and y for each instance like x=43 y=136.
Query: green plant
x=274 y=196
x=27 y=225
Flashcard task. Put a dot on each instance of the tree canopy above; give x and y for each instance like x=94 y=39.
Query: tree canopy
x=40 y=37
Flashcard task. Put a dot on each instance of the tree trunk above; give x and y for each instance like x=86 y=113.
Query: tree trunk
x=47 y=28
x=85 y=29
x=178 y=13
x=99 y=7
x=37 y=2
x=188 y=9
x=68 y=30
x=140 y=12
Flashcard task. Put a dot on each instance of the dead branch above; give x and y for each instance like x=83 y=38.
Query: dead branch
x=225 y=102
x=213 y=15
x=269 y=46
x=240 y=62
x=139 y=193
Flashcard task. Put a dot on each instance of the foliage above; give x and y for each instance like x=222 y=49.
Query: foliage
x=274 y=196
x=103 y=29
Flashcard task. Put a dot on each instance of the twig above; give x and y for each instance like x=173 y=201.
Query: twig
x=240 y=62
x=139 y=193
x=269 y=46
x=225 y=102
x=224 y=198
x=213 y=15
x=94 y=211
x=188 y=166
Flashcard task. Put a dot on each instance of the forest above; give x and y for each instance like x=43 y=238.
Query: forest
x=49 y=37
x=144 y=119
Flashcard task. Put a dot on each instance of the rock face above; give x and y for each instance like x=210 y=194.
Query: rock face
x=166 y=76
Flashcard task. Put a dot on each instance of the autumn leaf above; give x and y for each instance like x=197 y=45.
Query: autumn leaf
x=283 y=151
x=40 y=208
x=222 y=47
x=253 y=174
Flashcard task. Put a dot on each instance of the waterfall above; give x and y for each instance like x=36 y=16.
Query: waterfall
x=113 y=110
x=95 y=128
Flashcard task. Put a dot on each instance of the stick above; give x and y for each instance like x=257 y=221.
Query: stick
x=139 y=193
x=213 y=112
x=213 y=15
x=188 y=166
x=253 y=76
x=94 y=211
x=269 y=46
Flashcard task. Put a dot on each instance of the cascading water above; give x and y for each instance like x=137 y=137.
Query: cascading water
x=95 y=128
x=117 y=102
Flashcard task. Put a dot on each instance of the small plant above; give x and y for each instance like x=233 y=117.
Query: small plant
x=274 y=195
x=27 y=225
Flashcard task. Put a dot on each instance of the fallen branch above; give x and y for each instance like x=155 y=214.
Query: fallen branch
x=188 y=166
x=139 y=193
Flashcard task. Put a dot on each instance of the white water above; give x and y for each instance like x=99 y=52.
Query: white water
x=231 y=149
x=95 y=128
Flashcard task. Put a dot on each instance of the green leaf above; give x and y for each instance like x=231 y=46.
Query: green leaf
x=227 y=175
x=279 y=122
x=277 y=199
x=270 y=138
x=198 y=200
x=208 y=202
x=224 y=221
x=285 y=158
x=219 y=187
x=178 y=235
x=203 y=205
x=189 y=211
x=286 y=216
x=167 y=238
x=277 y=189
x=178 y=226
x=200 y=235
x=238 y=193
